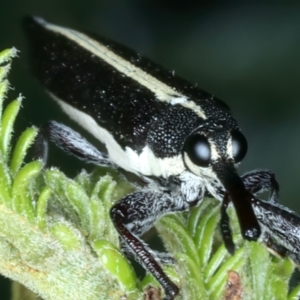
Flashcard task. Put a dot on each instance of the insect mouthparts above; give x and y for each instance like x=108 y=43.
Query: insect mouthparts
x=241 y=198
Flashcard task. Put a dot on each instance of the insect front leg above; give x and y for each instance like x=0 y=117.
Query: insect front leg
x=224 y=225
x=135 y=214
x=70 y=142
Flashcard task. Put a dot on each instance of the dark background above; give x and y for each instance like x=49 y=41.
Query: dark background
x=246 y=54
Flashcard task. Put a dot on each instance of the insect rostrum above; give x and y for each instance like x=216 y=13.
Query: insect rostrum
x=156 y=125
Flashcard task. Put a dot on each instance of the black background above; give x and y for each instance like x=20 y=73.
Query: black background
x=246 y=54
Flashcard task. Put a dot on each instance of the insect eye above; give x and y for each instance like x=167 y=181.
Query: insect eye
x=198 y=150
x=239 y=145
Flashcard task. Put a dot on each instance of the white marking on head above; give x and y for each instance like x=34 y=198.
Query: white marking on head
x=229 y=148
x=214 y=155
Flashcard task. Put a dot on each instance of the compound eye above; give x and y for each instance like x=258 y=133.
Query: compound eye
x=198 y=150
x=239 y=145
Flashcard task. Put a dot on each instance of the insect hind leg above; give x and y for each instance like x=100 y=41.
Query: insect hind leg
x=70 y=142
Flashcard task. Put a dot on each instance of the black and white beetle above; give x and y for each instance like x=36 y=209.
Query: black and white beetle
x=183 y=142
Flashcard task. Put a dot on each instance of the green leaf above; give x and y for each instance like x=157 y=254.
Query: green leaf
x=24 y=142
x=5 y=183
x=295 y=294
x=195 y=215
x=217 y=283
x=7 y=55
x=41 y=208
x=208 y=230
x=7 y=123
x=21 y=200
x=178 y=237
x=68 y=237
x=116 y=264
x=191 y=278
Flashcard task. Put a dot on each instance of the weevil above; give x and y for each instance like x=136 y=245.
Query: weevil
x=180 y=140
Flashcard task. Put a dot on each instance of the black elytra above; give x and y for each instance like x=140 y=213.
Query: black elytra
x=157 y=126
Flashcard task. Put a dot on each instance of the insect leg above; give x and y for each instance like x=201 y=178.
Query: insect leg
x=282 y=225
x=274 y=247
x=135 y=214
x=69 y=141
x=280 y=250
x=259 y=181
x=225 y=228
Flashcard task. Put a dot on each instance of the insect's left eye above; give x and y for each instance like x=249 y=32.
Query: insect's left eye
x=239 y=145
x=198 y=150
